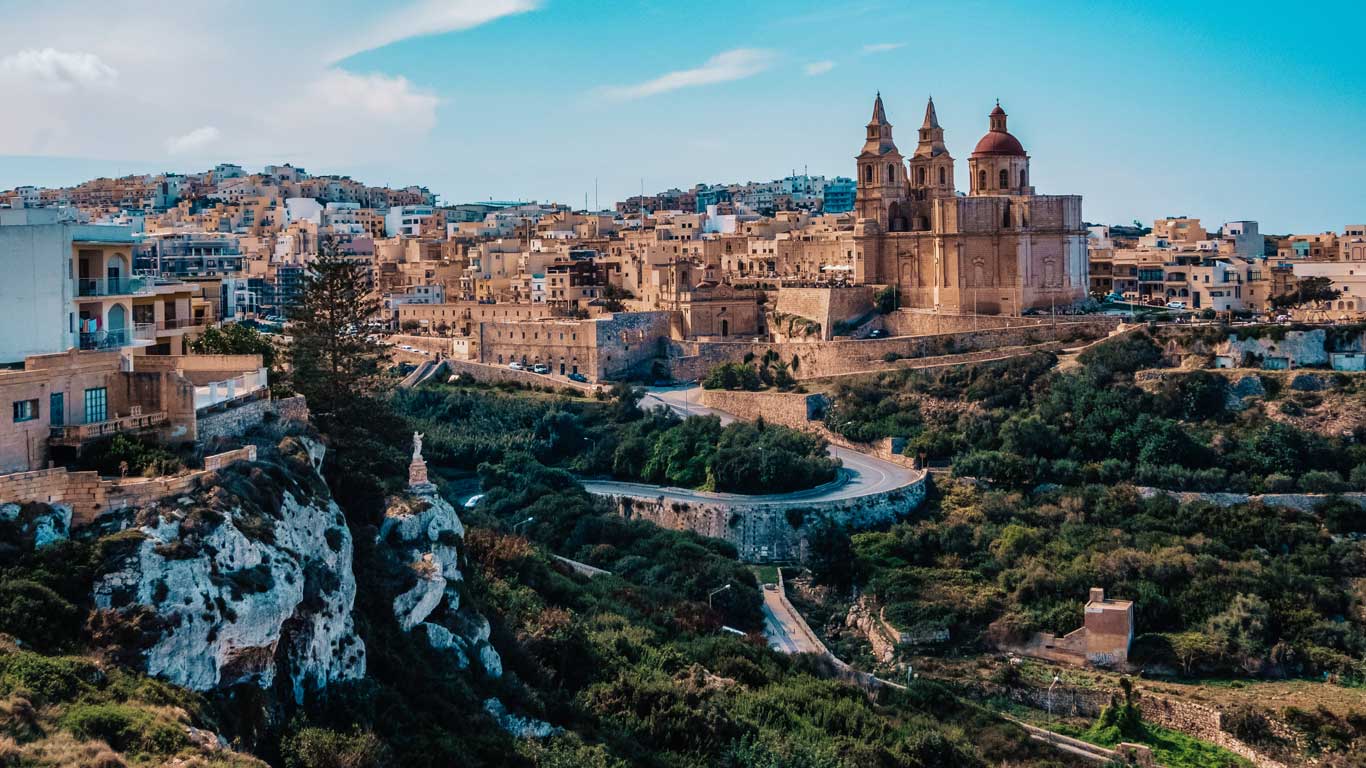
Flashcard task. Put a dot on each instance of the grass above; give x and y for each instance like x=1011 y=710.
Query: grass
x=1170 y=748
x=766 y=574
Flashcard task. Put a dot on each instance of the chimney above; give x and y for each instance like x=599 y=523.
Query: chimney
x=1097 y=595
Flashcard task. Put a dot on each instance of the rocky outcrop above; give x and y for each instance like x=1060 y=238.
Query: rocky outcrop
x=37 y=525
x=424 y=537
x=248 y=580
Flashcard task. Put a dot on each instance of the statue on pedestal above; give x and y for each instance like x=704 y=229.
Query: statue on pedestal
x=417 y=468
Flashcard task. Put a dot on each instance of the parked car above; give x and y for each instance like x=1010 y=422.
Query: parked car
x=1114 y=298
x=541 y=368
x=516 y=366
x=877 y=333
x=579 y=377
x=1176 y=305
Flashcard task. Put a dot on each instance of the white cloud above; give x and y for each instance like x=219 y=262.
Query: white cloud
x=376 y=97
x=818 y=68
x=881 y=47
x=59 y=70
x=724 y=67
x=193 y=142
x=433 y=17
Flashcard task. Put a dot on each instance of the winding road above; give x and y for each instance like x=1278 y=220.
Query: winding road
x=862 y=475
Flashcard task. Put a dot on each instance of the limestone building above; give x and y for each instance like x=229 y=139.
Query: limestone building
x=1001 y=249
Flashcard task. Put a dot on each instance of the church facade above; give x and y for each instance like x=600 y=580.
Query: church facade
x=1000 y=249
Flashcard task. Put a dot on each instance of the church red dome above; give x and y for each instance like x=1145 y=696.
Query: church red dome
x=999 y=143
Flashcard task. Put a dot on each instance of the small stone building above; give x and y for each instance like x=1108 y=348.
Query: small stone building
x=1103 y=639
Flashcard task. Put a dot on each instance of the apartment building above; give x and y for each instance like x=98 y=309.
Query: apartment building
x=72 y=285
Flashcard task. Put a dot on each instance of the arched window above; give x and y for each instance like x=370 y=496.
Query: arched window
x=891 y=172
x=1024 y=180
x=1005 y=215
x=868 y=173
x=943 y=177
x=982 y=179
x=920 y=176
x=1005 y=178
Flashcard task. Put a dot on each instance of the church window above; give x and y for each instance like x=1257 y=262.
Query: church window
x=981 y=179
x=942 y=177
x=1005 y=178
x=1023 y=179
x=891 y=172
x=868 y=173
x=920 y=176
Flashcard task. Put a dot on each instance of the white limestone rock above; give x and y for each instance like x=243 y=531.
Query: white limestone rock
x=424 y=531
x=247 y=588
x=518 y=725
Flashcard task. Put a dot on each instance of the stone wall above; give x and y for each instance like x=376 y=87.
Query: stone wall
x=920 y=322
x=772 y=531
x=692 y=360
x=234 y=422
x=89 y=495
x=789 y=409
x=494 y=374
x=828 y=306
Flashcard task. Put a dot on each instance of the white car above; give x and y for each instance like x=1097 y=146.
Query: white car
x=1176 y=305
x=516 y=366
x=541 y=368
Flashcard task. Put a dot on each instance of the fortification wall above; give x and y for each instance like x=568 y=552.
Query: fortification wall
x=692 y=359
x=766 y=532
x=827 y=305
x=789 y=409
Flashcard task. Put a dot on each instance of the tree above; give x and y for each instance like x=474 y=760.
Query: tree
x=886 y=299
x=239 y=339
x=1192 y=649
x=1309 y=290
x=336 y=361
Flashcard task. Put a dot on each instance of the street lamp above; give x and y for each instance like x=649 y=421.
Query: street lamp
x=714 y=593
x=524 y=522
x=1056 y=679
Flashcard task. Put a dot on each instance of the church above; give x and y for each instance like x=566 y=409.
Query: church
x=999 y=249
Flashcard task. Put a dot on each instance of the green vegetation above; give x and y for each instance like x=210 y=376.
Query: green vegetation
x=1238 y=590
x=125 y=454
x=1017 y=423
x=617 y=438
x=768 y=371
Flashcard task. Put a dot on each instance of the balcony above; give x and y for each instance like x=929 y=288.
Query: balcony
x=76 y=435
x=113 y=286
x=112 y=338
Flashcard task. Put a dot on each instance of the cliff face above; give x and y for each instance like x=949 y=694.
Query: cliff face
x=245 y=581
x=423 y=536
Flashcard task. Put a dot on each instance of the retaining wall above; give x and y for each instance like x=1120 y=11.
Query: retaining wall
x=765 y=531
x=1304 y=502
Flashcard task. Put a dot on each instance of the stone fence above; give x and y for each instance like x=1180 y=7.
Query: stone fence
x=89 y=495
x=767 y=531
x=1303 y=502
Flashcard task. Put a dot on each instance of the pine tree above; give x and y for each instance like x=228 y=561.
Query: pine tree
x=337 y=362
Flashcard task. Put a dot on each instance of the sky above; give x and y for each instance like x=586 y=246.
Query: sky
x=1215 y=109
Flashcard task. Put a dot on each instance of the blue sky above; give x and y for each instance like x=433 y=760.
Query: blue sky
x=1214 y=109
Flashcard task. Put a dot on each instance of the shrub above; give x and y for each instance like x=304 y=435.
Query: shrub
x=125 y=728
x=1319 y=481
x=37 y=615
x=323 y=748
x=50 y=678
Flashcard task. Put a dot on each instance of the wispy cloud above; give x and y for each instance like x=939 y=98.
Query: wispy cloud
x=58 y=70
x=193 y=142
x=818 y=68
x=724 y=67
x=881 y=47
x=432 y=17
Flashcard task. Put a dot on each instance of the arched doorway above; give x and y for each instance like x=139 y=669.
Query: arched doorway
x=725 y=327
x=116 y=326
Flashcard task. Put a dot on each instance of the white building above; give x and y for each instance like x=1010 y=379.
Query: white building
x=407 y=220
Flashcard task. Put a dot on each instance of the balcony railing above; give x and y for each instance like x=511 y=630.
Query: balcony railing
x=219 y=392
x=113 y=286
x=78 y=434
x=112 y=338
